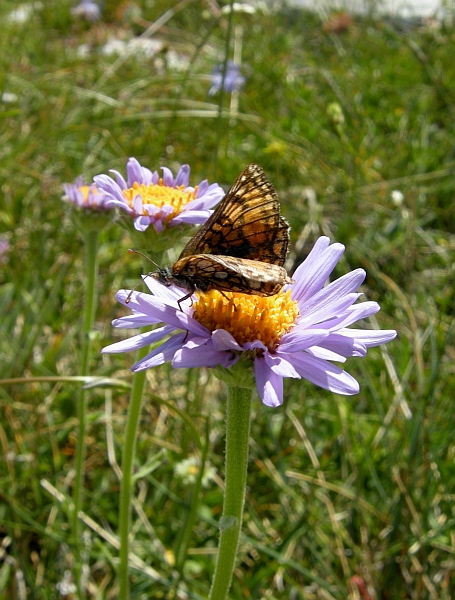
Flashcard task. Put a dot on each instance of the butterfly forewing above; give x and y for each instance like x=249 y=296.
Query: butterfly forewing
x=241 y=247
x=246 y=224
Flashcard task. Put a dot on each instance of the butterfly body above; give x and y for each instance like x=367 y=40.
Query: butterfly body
x=241 y=247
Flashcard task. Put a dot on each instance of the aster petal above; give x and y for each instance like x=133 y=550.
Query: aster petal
x=370 y=337
x=320 y=312
x=333 y=299
x=200 y=352
x=299 y=339
x=158 y=225
x=324 y=374
x=141 y=223
x=169 y=295
x=119 y=179
x=183 y=176
x=312 y=274
x=191 y=217
x=325 y=354
x=137 y=204
x=351 y=315
x=344 y=345
x=168 y=178
x=108 y=186
x=280 y=365
x=151 y=209
x=161 y=354
x=133 y=172
x=269 y=385
x=138 y=341
x=223 y=340
x=133 y=321
x=159 y=311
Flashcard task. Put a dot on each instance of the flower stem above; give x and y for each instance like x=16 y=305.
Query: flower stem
x=91 y=275
x=237 y=435
x=126 y=491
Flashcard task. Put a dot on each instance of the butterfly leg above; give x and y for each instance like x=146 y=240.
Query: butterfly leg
x=183 y=300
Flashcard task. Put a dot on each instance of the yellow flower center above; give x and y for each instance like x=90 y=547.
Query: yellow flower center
x=85 y=190
x=159 y=195
x=247 y=318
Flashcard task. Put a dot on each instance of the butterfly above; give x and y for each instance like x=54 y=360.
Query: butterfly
x=240 y=248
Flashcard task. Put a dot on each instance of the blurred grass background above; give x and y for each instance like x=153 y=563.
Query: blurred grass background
x=354 y=125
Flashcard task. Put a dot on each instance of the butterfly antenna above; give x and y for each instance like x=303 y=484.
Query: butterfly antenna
x=143 y=256
x=128 y=298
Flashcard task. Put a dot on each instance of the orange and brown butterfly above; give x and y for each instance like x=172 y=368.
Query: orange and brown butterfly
x=241 y=247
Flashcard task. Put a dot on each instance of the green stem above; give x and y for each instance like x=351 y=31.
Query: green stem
x=126 y=491
x=91 y=274
x=237 y=435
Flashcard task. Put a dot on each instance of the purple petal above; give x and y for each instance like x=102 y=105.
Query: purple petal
x=329 y=306
x=141 y=223
x=161 y=354
x=269 y=385
x=133 y=321
x=223 y=340
x=107 y=185
x=159 y=311
x=324 y=374
x=370 y=337
x=299 y=339
x=133 y=172
x=168 y=178
x=312 y=274
x=183 y=176
x=119 y=179
x=137 y=204
x=351 y=315
x=169 y=295
x=325 y=354
x=344 y=345
x=202 y=355
x=280 y=366
x=138 y=341
x=191 y=217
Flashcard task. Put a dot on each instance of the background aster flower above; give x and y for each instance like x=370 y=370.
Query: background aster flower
x=85 y=196
x=297 y=333
x=159 y=201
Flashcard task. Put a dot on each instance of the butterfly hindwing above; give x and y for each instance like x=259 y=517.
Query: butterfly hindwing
x=208 y=271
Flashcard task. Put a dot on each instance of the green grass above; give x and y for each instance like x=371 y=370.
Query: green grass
x=337 y=487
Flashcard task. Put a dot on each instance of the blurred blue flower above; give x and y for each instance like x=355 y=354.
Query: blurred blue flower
x=87 y=9
x=233 y=79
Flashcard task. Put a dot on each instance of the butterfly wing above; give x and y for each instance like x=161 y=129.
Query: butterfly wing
x=226 y=273
x=246 y=223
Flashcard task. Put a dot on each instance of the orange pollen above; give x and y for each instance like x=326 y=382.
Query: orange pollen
x=245 y=317
x=159 y=195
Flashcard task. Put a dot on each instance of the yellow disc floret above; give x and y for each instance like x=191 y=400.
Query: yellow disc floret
x=160 y=194
x=246 y=317
x=85 y=191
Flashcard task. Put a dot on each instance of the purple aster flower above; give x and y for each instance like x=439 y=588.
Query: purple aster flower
x=296 y=333
x=233 y=79
x=85 y=196
x=87 y=9
x=160 y=201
